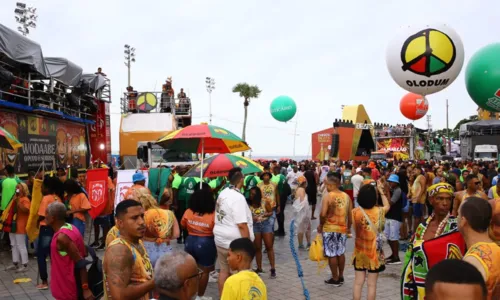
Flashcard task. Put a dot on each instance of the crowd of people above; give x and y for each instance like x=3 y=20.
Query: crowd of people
x=443 y=214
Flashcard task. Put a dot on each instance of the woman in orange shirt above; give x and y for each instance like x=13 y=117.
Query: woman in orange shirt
x=199 y=221
x=18 y=238
x=77 y=204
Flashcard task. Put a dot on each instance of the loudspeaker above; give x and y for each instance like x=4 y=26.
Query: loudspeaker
x=334 y=150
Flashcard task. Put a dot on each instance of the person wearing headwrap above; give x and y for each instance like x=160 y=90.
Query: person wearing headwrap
x=435 y=239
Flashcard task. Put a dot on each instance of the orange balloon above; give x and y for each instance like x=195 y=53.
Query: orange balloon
x=413 y=106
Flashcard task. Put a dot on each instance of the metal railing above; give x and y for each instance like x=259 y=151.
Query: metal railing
x=52 y=94
x=155 y=102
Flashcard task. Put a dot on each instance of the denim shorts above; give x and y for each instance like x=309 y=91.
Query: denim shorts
x=202 y=248
x=266 y=226
x=155 y=251
x=418 y=210
x=80 y=225
x=391 y=229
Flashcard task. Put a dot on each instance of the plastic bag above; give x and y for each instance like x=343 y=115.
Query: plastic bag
x=316 y=252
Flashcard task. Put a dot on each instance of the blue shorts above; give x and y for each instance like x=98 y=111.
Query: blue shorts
x=80 y=225
x=156 y=251
x=266 y=226
x=104 y=221
x=391 y=229
x=418 y=210
x=202 y=248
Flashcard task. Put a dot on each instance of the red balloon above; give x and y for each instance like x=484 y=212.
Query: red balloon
x=413 y=106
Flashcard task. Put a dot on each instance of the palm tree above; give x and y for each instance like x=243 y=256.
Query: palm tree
x=247 y=92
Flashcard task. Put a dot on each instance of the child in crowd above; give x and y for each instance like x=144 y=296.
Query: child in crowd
x=245 y=284
x=302 y=212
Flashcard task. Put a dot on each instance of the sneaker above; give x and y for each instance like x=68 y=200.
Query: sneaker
x=258 y=271
x=22 y=269
x=301 y=247
x=341 y=279
x=101 y=246
x=273 y=273
x=279 y=233
x=389 y=258
x=204 y=298
x=308 y=246
x=393 y=261
x=333 y=282
x=94 y=244
x=11 y=268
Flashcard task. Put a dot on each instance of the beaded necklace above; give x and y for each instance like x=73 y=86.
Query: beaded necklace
x=440 y=227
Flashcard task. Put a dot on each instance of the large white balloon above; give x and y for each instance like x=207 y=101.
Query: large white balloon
x=426 y=59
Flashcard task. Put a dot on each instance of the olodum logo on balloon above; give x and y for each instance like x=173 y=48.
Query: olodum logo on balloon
x=428 y=52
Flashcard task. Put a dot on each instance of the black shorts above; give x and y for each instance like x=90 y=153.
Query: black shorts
x=380 y=269
x=312 y=197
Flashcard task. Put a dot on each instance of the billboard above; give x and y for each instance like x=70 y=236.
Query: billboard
x=348 y=144
x=45 y=140
x=399 y=147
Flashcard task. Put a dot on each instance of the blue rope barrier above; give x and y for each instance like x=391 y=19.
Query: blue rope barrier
x=297 y=262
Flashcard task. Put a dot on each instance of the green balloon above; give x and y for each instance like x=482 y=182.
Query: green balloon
x=283 y=108
x=482 y=78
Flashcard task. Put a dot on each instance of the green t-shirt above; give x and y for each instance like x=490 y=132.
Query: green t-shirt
x=250 y=182
x=214 y=183
x=279 y=180
x=177 y=181
x=8 y=187
x=186 y=189
x=346 y=180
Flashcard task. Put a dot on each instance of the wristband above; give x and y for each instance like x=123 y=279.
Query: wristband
x=85 y=286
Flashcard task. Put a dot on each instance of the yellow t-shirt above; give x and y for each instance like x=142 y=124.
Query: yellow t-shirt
x=244 y=285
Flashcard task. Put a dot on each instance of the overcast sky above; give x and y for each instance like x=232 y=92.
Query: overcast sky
x=321 y=53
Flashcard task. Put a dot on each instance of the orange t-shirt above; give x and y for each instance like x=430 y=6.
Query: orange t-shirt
x=337 y=219
x=198 y=225
x=23 y=213
x=111 y=199
x=78 y=202
x=46 y=200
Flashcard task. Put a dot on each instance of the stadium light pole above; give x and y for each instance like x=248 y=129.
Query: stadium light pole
x=210 y=83
x=26 y=17
x=129 y=58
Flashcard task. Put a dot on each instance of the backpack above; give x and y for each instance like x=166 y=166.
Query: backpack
x=95 y=276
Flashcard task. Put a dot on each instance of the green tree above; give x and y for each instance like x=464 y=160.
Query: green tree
x=247 y=92
x=463 y=121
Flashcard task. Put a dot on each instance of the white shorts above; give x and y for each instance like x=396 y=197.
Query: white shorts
x=391 y=229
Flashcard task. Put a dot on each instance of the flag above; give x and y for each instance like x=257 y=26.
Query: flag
x=32 y=229
x=97 y=189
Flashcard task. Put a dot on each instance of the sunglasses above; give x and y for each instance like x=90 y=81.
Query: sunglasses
x=477 y=183
x=198 y=274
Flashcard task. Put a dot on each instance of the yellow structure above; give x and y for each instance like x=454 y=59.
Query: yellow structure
x=358 y=115
x=487 y=115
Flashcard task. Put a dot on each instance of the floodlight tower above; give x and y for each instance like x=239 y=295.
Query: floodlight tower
x=210 y=83
x=26 y=17
x=129 y=58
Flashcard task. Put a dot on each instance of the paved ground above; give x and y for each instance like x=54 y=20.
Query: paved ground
x=285 y=286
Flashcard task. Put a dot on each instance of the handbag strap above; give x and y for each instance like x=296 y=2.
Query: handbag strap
x=369 y=221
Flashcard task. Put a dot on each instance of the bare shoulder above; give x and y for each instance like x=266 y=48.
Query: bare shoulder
x=117 y=256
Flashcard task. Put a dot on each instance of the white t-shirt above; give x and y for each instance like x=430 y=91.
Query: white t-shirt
x=356 y=180
x=231 y=209
x=324 y=172
x=292 y=178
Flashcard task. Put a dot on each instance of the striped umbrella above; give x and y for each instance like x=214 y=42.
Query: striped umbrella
x=8 y=141
x=220 y=164
x=203 y=138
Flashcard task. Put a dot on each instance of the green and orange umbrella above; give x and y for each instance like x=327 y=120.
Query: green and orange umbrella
x=220 y=164
x=8 y=141
x=203 y=138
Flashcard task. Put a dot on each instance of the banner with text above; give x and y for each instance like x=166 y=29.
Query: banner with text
x=97 y=189
x=44 y=140
x=124 y=182
x=399 y=147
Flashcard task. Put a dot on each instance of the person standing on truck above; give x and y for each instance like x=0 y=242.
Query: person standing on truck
x=183 y=189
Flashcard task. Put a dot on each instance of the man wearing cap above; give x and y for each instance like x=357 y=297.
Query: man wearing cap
x=357 y=181
x=393 y=219
x=139 y=181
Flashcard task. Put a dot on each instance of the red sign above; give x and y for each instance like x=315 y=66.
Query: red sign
x=100 y=137
x=97 y=188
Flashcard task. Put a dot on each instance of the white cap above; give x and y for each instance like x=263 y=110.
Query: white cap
x=358 y=170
